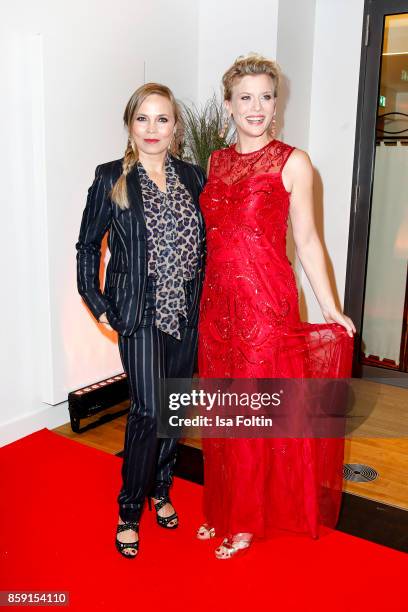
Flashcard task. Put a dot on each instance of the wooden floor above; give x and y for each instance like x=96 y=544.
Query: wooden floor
x=380 y=440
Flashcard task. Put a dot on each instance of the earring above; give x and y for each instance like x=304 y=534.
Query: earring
x=272 y=127
x=222 y=133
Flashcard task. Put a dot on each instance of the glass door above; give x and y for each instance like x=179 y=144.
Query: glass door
x=384 y=325
x=377 y=280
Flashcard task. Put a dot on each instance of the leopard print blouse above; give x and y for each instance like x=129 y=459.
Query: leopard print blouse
x=172 y=244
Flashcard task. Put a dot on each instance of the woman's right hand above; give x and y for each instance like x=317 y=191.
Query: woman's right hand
x=103 y=319
x=334 y=315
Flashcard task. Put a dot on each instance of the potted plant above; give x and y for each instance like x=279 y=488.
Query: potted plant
x=205 y=129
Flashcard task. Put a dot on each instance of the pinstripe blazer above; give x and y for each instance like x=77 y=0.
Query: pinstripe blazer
x=126 y=275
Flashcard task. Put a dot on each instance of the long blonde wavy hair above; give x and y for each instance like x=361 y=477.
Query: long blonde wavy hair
x=119 y=193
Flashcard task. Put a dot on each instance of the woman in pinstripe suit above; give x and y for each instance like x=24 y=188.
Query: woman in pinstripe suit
x=148 y=202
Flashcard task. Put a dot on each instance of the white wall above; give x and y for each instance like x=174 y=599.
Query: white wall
x=23 y=349
x=294 y=53
x=333 y=108
x=229 y=28
x=67 y=71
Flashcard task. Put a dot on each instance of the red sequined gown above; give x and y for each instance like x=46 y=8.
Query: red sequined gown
x=250 y=328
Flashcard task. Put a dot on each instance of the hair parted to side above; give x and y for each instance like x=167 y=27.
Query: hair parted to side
x=253 y=63
x=119 y=193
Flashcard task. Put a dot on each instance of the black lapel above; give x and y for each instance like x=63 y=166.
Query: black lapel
x=181 y=172
x=184 y=173
x=135 y=193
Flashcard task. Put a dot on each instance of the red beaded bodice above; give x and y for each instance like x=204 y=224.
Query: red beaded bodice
x=250 y=290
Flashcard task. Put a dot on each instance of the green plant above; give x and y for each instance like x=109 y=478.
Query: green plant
x=203 y=131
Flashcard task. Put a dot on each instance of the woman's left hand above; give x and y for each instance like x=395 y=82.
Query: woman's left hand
x=335 y=316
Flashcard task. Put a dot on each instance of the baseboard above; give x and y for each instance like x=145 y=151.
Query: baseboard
x=46 y=416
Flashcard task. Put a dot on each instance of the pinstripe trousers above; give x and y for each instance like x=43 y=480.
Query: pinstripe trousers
x=147 y=356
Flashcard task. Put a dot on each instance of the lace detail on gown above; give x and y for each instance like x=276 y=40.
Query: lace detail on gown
x=232 y=167
x=250 y=328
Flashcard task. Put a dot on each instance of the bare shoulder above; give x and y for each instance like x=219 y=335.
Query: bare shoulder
x=298 y=161
x=298 y=168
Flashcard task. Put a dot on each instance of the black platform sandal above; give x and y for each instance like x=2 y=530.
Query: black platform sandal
x=163 y=521
x=121 y=546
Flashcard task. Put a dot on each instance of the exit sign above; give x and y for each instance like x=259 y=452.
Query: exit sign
x=382 y=101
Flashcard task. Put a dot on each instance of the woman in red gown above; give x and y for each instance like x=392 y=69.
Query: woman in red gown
x=250 y=325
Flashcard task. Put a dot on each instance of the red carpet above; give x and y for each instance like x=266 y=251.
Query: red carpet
x=58 y=515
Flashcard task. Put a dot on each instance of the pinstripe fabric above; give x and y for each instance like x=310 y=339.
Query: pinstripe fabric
x=148 y=355
x=126 y=274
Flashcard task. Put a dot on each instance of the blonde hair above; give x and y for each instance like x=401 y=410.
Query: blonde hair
x=253 y=63
x=119 y=193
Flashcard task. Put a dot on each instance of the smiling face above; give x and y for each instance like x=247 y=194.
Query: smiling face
x=153 y=125
x=252 y=105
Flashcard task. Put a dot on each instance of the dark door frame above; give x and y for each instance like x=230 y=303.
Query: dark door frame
x=363 y=174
